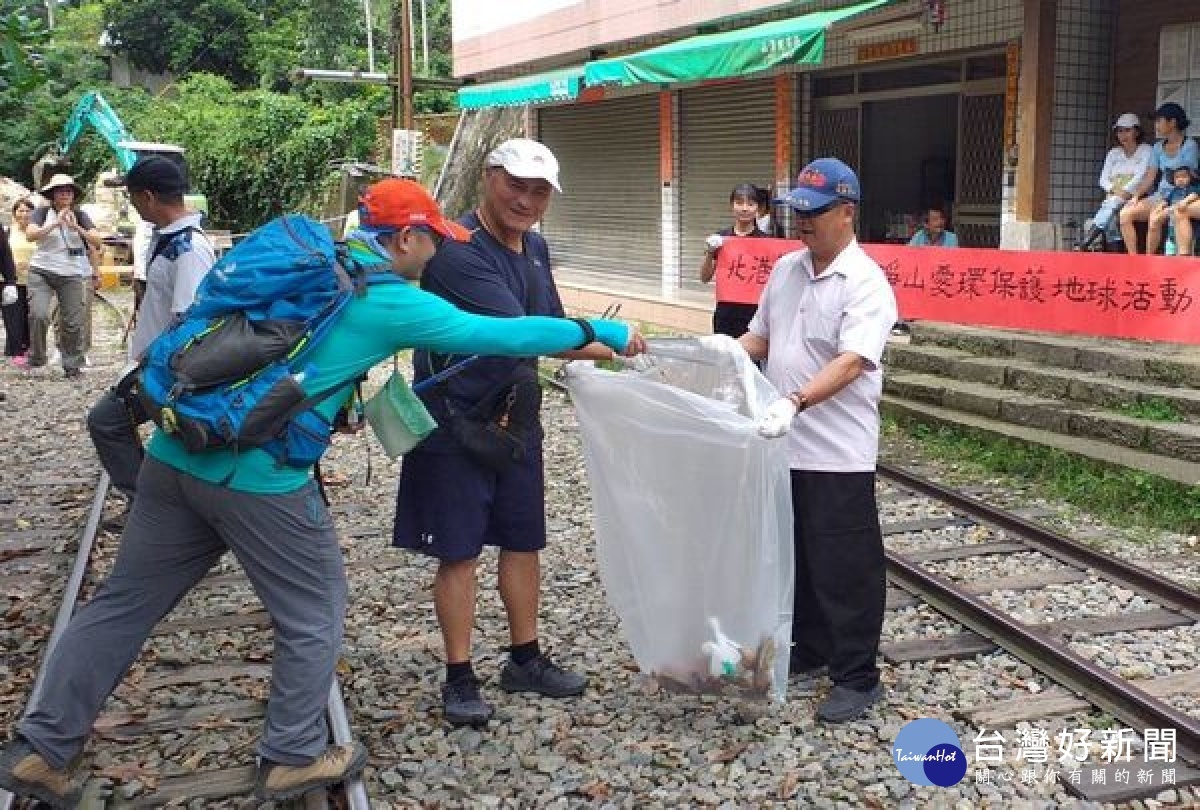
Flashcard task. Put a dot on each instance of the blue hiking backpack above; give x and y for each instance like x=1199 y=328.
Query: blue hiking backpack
x=230 y=373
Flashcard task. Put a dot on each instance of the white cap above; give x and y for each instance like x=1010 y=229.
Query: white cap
x=1128 y=121
x=527 y=159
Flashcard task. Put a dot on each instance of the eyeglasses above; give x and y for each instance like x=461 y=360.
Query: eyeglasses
x=436 y=237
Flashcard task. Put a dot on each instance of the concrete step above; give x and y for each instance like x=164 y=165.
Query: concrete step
x=1172 y=469
x=1089 y=387
x=1180 y=440
x=1170 y=364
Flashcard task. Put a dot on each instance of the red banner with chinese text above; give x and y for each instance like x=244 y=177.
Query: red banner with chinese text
x=1111 y=295
x=743 y=265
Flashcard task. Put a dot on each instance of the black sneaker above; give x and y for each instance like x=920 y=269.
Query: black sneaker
x=543 y=676
x=845 y=704
x=462 y=705
x=23 y=772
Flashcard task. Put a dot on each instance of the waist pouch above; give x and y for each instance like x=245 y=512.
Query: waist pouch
x=495 y=431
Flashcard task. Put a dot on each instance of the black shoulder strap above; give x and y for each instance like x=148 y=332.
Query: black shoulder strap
x=164 y=240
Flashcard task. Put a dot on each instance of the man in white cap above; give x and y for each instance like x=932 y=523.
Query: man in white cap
x=453 y=500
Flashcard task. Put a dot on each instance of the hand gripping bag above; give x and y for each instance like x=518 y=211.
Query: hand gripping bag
x=693 y=518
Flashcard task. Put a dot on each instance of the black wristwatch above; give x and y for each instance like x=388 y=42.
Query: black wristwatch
x=589 y=334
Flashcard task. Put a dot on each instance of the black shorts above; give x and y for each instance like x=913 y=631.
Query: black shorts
x=450 y=507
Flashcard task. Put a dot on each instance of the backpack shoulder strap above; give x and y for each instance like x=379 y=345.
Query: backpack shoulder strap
x=165 y=240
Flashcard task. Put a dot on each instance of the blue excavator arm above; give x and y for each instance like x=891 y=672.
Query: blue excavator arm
x=92 y=110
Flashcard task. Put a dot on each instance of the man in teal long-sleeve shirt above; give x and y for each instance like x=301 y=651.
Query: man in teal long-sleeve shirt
x=192 y=508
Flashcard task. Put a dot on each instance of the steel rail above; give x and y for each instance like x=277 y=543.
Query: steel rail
x=66 y=610
x=339 y=722
x=1091 y=682
x=1171 y=594
x=339 y=728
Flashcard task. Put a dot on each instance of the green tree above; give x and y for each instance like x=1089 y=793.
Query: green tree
x=237 y=39
x=254 y=154
x=20 y=36
x=71 y=62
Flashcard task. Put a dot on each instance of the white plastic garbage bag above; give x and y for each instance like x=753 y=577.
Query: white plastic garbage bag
x=693 y=518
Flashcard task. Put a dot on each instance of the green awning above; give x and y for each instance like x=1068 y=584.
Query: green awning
x=728 y=54
x=540 y=88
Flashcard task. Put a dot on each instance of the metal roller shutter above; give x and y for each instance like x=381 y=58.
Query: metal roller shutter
x=727 y=137
x=608 y=218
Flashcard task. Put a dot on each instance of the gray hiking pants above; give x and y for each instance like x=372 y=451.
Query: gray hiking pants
x=72 y=311
x=179 y=527
x=116 y=440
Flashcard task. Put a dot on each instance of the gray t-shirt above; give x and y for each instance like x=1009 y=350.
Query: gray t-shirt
x=171 y=279
x=61 y=251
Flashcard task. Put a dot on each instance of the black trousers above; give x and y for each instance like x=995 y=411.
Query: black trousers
x=840 y=576
x=16 y=324
x=733 y=319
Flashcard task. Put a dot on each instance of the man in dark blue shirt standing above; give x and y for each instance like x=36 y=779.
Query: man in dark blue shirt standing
x=451 y=503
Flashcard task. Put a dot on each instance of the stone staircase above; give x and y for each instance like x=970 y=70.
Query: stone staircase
x=1065 y=392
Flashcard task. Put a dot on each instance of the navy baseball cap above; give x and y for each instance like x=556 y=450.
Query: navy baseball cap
x=822 y=183
x=156 y=173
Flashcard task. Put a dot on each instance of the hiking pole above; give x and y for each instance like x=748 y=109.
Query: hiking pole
x=129 y=324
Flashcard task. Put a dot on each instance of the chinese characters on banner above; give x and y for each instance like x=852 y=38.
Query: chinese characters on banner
x=1139 y=297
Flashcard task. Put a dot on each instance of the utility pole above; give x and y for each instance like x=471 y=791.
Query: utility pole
x=370 y=36
x=405 y=65
x=425 y=37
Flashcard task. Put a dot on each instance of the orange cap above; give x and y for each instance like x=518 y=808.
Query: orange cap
x=397 y=203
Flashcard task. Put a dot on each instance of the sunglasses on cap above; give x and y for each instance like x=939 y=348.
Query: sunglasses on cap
x=816 y=212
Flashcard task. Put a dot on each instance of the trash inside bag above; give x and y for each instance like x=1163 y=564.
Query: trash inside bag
x=693 y=517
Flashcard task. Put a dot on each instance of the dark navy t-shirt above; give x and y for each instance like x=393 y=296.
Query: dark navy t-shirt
x=484 y=277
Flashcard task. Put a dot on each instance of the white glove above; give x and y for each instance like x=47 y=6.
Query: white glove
x=9 y=296
x=777 y=421
x=714 y=242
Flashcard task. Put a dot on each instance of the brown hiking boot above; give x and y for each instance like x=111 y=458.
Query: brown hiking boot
x=338 y=763
x=24 y=772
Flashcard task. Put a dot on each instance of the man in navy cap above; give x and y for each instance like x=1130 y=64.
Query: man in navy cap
x=822 y=324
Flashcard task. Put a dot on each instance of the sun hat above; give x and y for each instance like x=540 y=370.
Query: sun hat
x=62 y=181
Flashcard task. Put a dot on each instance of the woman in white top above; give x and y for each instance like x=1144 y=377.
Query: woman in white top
x=1124 y=169
x=60 y=268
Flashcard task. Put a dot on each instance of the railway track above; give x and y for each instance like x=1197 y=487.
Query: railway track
x=1035 y=559
x=966 y=528
x=181 y=727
